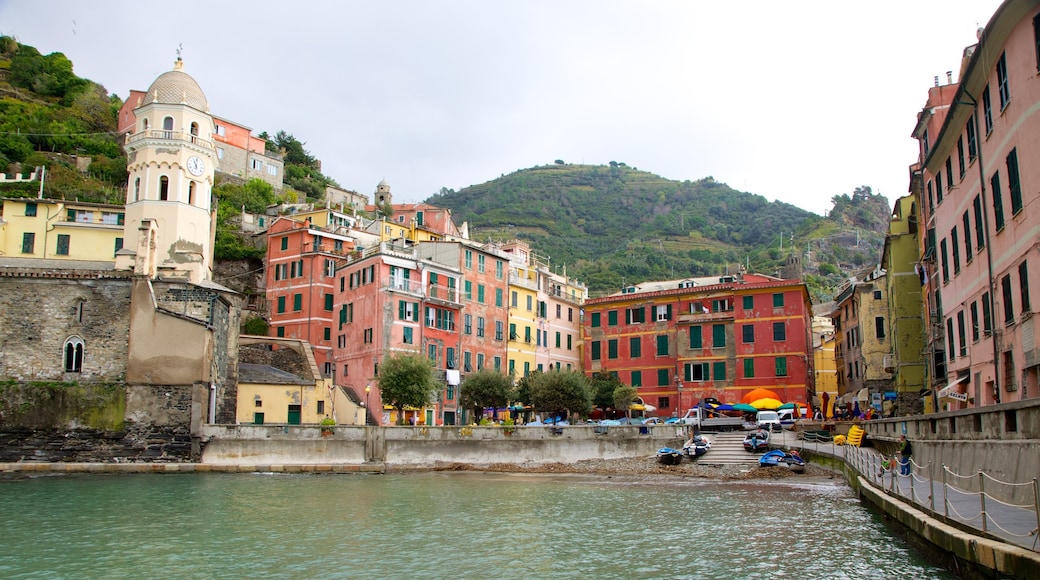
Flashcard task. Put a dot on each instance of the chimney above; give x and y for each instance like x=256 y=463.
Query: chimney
x=949 y=77
x=936 y=80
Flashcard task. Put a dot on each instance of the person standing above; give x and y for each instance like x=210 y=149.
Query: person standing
x=905 y=451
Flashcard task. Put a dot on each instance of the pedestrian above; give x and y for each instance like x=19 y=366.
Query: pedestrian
x=886 y=464
x=905 y=451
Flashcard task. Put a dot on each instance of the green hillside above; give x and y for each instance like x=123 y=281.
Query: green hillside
x=612 y=225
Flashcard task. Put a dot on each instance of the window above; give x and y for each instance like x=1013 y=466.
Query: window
x=781 y=366
x=431 y=353
x=987 y=314
x=297 y=302
x=527 y=336
x=637 y=378
x=529 y=302
x=696 y=334
x=480 y=326
x=718 y=335
x=998 y=202
x=280 y=331
x=285 y=243
x=595 y=320
x=408 y=310
x=749 y=368
x=256 y=164
x=512 y=332
x=469 y=259
x=327 y=333
x=498 y=363
x=137 y=189
x=1023 y=287
x=966 y=224
x=514 y=299
x=611 y=348
x=635 y=315
x=499 y=329
x=480 y=263
x=749 y=302
x=945 y=261
x=987 y=110
x=498 y=297
x=635 y=346
x=467 y=324
x=164 y=188
x=220 y=152
x=749 y=333
x=272 y=170
x=367 y=336
x=119 y=244
x=973 y=147
x=955 y=246
x=961 y=334
x=980 y=237
x=498 y=269
x=879 y=327
x=662 y=345
x=28 y=242
x=467 y=287
x=407 y=335
x=595 y=350
x=975 y=321
x=612 y=318
x=1036 y=40
x=961 y=168
x=1003 y=89
x=63 y=245
x=30 y=209
x=662 y=378
x=1014 y=185
x=1005 y=288
x=281 y=304
x=939 y=187
x=718 y=371
x=480 y=293
x=570 y=338
x=328 y=302
x=467 y=361
x=664 y=312
x=73 y=354
x=695 y=371
x=779 y=331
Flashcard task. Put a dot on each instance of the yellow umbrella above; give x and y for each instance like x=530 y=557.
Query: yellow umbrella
x=637 y=407
x=766 y=403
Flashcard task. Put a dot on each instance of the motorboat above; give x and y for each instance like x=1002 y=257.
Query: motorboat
x=669 y=456
x=697 y=446
x=756 y=441
x=778 y=457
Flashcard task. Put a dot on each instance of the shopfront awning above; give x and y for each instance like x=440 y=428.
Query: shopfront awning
x=953 y=390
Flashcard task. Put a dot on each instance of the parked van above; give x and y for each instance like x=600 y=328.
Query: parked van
x=787 y=418
x=768 y=420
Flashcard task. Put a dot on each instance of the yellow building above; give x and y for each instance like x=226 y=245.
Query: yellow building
x=824 y=366
x=524 y=335
x=61 y=230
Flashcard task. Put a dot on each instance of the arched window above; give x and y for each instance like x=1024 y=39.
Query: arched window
x=191 y=193
x=137 y=189
x=167 y=125
x=194 y=132
x=73 y=354
x=144 y=124
x=164 y=188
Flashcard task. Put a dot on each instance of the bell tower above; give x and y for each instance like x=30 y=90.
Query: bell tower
x=171 y=162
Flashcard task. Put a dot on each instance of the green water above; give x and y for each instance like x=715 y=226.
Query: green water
x=439 y=525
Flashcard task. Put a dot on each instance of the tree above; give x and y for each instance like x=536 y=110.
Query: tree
x=561 y=391
x=406 y=380
x=624 y=396
x=485 y=388
x=603 y=385
x=256 y=326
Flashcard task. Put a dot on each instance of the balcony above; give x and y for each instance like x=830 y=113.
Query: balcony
x=515 y=280
x=701 y=317
x=403 y=285
x=176 y=136
x=442 y=294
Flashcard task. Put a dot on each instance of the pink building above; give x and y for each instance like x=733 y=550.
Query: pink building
x=979 y=172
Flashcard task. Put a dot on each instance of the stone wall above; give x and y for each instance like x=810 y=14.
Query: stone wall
x=156 y=445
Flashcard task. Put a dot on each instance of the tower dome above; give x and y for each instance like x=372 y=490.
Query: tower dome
x=176 y=87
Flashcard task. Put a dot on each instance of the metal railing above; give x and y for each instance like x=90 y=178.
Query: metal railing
x=1006 y=510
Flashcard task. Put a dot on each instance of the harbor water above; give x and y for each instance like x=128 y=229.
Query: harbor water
x=441 y=525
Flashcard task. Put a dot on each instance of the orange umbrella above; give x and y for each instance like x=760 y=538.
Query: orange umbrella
x=757 y=394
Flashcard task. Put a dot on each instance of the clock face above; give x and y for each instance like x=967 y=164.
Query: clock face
x=196 y=166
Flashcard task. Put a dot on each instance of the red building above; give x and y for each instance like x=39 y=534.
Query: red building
x=301 y=282
x=682 y=341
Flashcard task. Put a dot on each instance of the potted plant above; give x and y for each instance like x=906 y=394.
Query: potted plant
x=508 y=426
x=328 y=426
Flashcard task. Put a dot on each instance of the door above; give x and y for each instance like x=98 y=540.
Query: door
x=294 y=415
x=258 y=418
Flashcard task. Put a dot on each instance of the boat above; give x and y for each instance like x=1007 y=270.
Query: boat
x=669 y=456
x=756 y=441
x=777 y=457
x=697 y=446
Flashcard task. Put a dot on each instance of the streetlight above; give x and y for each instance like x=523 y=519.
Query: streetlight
x=678 y=392
x=368 y=401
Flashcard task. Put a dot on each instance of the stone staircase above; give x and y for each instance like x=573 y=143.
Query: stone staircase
x=728 y=449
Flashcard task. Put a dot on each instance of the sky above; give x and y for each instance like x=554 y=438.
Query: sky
x=794 y=101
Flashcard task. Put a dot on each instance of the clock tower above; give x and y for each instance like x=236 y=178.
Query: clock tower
x=169 y=228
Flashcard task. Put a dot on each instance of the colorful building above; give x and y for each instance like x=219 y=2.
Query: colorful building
x=682 y=341
x=979 y=174
x=861 y=343
x=826 y=373
x=56 y=229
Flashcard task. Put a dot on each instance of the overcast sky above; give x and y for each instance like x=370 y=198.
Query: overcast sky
x=795 y=101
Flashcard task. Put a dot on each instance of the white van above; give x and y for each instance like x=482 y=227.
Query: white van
x=768 y=420
x=787 y=418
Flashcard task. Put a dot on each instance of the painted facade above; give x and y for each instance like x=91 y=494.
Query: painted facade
x=60 y=230
x=979 y=179
x=679 y=342
x=861 y=341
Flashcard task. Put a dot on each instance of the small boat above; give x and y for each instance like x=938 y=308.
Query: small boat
x=756 y=441
x=790 y=460
x=697 y=446
x=669 y=456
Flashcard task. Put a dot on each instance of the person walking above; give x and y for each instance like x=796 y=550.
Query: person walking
x=905 y=451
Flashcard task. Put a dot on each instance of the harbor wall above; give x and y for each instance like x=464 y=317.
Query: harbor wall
x=423 y=445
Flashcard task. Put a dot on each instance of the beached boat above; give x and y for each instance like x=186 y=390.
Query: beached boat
x=697 y=446
x=669 y=456
x=757 y=441
x=777 y=457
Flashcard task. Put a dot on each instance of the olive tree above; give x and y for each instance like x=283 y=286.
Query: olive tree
x=406 y=380
x=559 y=390
x=485 y=388
x=603 y=386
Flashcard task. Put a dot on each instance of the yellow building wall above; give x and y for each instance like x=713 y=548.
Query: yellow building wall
x=522 y=282
x=275 y=401
x=92 y=232
x=826 y=373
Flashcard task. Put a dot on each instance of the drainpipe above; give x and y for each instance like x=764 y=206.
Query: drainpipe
x=212 y=403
